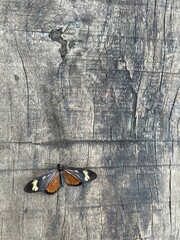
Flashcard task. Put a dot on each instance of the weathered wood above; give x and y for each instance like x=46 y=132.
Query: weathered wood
x=97 y=81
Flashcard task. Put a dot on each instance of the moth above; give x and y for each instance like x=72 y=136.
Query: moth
x=51 y=181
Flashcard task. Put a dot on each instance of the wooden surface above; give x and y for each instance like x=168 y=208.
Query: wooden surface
x=97 y=81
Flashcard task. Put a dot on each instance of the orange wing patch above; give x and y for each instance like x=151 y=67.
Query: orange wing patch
x=70 y=179
x=54 y=184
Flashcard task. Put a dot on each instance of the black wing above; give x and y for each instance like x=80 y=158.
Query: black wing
x=77 y=176
x=41 y=183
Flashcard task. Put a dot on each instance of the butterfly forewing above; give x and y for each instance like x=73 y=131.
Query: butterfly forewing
x=42 y=182
x=78 y=176
x=54 y=184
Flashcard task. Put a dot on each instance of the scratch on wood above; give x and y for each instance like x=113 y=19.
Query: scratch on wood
x=22 y=222
x=170 y=206
x=63 y=225
x=6 y=13
x=13 y=177
x=177 y=235
x=178 y=126
x=57 y=203
x=152 y=221
x=173 y=104
x=93 y=121
x=101 y=235
x=106 y=17
x=134 y=111
x=27 y=88
x=171 y=111
x=10 y=107
x=164 y=50
x=2 y=228
x=87 y=234
x=170 y=186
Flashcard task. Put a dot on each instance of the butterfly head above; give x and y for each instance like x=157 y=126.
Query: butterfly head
x=60 y=167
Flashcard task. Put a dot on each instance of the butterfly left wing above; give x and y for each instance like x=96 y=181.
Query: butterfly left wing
x=54 y=184
x=48 y=182
x=77 y=176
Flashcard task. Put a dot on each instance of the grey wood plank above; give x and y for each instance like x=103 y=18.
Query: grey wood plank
x=96 y=83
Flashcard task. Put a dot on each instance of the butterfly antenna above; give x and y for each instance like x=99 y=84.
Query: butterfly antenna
x=52 y=164
x=63 y=159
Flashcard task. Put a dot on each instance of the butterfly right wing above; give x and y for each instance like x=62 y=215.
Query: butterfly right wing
x=49 y=182
x=77 y=176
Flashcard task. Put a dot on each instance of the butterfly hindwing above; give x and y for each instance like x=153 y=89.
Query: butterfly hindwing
x=70 y=178
x=43 y=182
x=77 y=176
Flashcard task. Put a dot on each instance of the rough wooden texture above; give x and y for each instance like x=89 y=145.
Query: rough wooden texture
x=97 y=80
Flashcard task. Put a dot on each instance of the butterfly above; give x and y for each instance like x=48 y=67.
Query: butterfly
x=51 y=181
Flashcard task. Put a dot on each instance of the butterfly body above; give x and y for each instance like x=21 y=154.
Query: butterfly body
x=51 y=181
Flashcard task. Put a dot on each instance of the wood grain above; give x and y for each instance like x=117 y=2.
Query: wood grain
x=98 y=82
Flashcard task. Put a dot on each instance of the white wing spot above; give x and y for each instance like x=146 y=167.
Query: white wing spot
x=34 y=183
x=86 y=175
